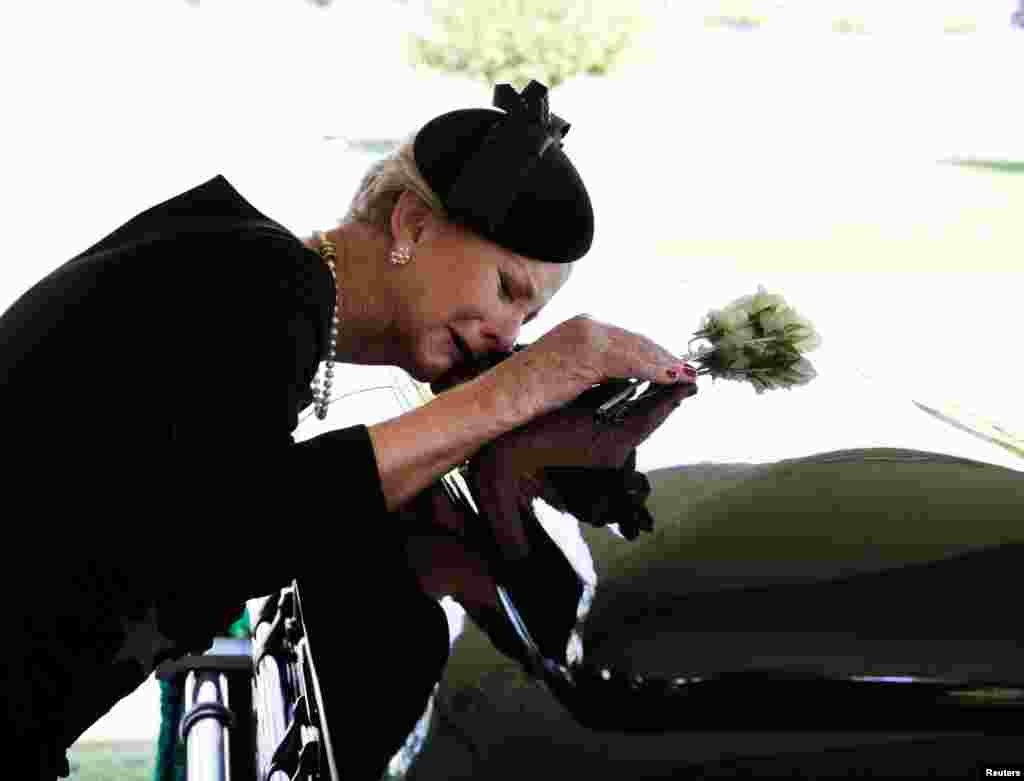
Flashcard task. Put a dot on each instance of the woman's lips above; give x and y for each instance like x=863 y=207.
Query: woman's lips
x=461 y=370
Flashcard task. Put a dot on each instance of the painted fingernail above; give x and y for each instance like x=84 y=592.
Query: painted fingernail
x=690 y=370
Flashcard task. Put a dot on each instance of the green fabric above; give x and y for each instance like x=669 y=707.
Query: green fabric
x=170 y=758
x=241 y=627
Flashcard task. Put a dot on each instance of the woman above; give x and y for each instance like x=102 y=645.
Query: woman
x=188 y=341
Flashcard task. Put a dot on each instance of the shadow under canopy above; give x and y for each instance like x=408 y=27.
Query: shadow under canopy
x=879 y=562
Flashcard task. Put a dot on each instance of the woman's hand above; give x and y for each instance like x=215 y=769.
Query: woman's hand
x=415 y=449
x=568 y=360
x=510 y=472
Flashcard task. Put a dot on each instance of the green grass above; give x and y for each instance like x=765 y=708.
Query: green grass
x=993 y=166
x=112 y=761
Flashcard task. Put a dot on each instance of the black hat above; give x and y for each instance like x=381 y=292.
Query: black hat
x=503 y=174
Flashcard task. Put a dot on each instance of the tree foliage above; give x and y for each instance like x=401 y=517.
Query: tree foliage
x=517 y=40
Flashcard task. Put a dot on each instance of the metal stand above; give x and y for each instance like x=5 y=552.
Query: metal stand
x=205 y=729
x=215 y=725
x=292 y=740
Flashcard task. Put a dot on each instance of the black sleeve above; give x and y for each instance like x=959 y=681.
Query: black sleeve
x=152 y=462
x=253 y=330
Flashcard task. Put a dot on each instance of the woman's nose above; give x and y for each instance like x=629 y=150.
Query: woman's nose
x=504 y=334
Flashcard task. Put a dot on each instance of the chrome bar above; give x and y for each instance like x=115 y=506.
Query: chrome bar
x=205 y=727
x=269 y=697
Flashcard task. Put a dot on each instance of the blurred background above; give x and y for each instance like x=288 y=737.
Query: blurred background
x=863 y=158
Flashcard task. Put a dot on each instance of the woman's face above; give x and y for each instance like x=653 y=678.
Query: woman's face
x=463 y=296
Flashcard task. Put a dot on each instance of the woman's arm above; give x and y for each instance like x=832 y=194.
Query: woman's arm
x=417 y=448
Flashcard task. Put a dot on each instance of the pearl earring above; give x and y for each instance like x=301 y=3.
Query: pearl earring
x=401 y=254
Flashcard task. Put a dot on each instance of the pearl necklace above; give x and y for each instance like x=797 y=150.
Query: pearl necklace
x=329 y=253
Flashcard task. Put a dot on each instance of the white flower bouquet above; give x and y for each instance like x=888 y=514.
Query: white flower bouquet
x=758 y=339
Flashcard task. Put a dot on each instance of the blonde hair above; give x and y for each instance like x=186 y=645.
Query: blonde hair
x=383 y=184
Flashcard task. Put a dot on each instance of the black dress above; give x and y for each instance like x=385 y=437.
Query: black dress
x=149 y=389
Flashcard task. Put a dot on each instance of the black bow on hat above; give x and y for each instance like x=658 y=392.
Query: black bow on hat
x=494 y=177
x=504 y=175
x=532 y=109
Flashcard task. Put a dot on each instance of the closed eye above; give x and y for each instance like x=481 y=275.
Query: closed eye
x=505 y=291
x=503 y=288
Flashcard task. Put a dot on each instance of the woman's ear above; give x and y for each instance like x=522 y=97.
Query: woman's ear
x=408 y=217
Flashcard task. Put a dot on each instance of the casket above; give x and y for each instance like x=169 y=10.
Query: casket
x=851 y=609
